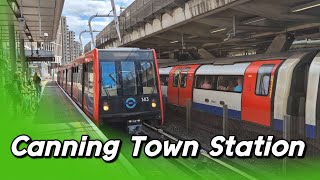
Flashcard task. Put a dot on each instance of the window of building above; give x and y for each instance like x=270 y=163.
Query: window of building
x=263 y=80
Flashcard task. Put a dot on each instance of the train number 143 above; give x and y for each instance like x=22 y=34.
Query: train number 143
x=145 y=99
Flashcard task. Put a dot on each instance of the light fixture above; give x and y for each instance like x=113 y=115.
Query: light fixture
x=255 y=20
x=154 y=104
x=305 y=6
x=105 y=107
x=192 y=37
x=217 y=30
x=172 y=42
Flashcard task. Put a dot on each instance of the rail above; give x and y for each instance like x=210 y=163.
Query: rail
x=204 y=153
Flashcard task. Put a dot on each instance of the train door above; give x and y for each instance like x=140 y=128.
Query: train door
x=173 y=85
x=65 y=76
x=186 y=84
x=257 y=92
x=184 y=90
x=312 y=109
x=180 y=84
x=318 y=113
x=58 y=77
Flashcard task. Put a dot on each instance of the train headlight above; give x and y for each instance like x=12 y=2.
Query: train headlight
x=154 y=104
x=105 y=107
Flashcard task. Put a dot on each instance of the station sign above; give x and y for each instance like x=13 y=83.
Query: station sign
x=40 y=59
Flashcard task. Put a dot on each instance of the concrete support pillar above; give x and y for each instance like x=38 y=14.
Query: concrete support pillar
x=281 y=43
x=205 y=54
x=12 y=46
x=2 y=74
x=23 y=58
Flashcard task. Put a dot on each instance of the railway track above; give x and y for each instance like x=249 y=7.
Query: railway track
x=204 y=154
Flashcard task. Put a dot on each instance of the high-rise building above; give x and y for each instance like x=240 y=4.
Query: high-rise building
x=71 y=42
x=69 y=45
x=64 y=41
x=78 y=49
x=58 y=44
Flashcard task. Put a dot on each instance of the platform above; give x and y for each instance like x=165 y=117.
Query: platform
x=59 y=118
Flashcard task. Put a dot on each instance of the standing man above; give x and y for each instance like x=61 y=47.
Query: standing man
x=37 y=84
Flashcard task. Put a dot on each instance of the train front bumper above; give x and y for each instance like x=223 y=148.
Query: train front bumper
x=124 y=117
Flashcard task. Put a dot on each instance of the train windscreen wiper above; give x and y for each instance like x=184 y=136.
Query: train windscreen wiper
x=104 y=87
x=113 y=79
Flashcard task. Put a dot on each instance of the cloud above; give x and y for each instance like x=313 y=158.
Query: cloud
x=79 y=11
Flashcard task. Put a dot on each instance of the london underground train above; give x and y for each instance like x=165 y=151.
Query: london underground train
x=115 y=85
x=260 y=91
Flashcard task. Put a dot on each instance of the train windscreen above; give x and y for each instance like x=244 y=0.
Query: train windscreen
x=128 y=74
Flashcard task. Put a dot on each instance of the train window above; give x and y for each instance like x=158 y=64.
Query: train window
x=148 y=77
x=230 y=83
x=58 y=77
x=79 y=83
x=164 y=80
x=90 y=78
x=88 y=86
x=69 y=79
x=63 y=78
x=176 y=77
x=75 y=76
x=109 y=79
x=129 y=78
x=184 y=77
x=263 y=79
x=205 y=82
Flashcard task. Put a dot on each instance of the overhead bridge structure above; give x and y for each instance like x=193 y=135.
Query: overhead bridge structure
x=214 y=28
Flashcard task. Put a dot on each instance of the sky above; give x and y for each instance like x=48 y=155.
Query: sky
x=79 y=11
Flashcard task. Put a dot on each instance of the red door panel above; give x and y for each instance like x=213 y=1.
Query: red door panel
x=180 y=84
x=257 y=92
x=186 y=84
x=173 y=83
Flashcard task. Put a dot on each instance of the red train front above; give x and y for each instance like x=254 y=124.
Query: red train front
x=115 y=85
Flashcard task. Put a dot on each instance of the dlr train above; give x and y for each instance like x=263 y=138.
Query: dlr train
x=260 y=90
x=115 y=85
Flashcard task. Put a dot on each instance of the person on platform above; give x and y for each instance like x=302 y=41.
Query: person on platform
x=37 y=84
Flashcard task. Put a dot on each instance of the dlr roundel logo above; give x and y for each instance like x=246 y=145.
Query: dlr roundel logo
x=131 y=103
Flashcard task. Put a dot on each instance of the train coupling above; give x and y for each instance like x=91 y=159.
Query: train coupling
x=134 y=126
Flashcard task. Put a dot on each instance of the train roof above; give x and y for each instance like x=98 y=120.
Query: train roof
x=240 y=59
x=114 y=49
x=165 y=70
x=230 y=69
x=123 y=49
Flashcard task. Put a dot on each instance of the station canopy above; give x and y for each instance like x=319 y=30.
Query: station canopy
x=28 y=18
x=237 y=26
